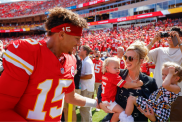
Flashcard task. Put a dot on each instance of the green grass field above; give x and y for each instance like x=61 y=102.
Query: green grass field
x=96 y=116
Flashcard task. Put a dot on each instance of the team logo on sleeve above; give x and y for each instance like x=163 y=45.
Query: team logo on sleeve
x=62 y=70
x=73 y=71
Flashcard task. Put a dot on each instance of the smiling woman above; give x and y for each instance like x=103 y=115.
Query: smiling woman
x=135 y=54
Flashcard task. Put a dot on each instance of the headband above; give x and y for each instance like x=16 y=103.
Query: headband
x=69 y=29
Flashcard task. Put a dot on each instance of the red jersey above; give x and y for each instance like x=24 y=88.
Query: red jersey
x=122 y=65
x=105 y=46
x=37 y=81
x=145 y=68
x=98 y=70
x=113 y=46
x=109 y=86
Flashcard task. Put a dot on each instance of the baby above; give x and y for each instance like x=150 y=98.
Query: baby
x=160 y=101
x=110 y=81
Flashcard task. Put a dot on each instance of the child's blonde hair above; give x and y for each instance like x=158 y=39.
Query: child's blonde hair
x=178 y=68
x=106 y=62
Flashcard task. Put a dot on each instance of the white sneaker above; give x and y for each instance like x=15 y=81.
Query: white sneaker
x=130 y=119
x=122 y=116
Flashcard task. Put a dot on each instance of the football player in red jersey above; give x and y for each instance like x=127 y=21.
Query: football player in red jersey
x=120 y=53
x=98 y=70
x=37 y=75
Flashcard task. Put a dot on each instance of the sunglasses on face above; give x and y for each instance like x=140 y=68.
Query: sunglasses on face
x=130 y=58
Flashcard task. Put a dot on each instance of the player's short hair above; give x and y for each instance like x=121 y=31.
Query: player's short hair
x=87 y=49
x=177 y=67
x=107 y=61
x=59 y=15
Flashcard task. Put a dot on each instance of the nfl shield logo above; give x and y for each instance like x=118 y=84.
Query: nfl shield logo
x=62 y=70
x=73 y=71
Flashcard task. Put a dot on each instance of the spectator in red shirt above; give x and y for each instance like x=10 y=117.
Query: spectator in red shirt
x=113 y=45
x=98 y=70
x=120 y=53
x=105 y=46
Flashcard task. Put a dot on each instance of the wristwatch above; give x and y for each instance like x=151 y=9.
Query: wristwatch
x=180 y=44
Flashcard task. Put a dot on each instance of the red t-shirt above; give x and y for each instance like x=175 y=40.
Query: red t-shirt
x=37 y=81
x=145 y=68
x=113 y=46
x=122 y=65
x=105 y=46
x=98 y=70
x=109 y=86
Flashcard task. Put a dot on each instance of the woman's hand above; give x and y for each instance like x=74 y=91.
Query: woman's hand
x=148 y=114
x=139 y=83
x=103 y=106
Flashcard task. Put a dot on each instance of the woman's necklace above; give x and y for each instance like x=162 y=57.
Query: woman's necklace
x=132 y=79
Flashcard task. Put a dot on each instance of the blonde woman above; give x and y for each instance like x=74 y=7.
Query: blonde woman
x=110 y=81
x=135 y=55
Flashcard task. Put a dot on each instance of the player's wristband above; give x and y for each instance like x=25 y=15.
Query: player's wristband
x=90 y=102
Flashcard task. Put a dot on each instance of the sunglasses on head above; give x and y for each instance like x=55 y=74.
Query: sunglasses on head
x=130 y=58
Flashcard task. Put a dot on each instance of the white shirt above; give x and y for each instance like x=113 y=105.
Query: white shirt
x=161 y=55
x=87 y=68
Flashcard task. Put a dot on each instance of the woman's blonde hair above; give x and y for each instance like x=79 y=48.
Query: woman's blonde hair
x=141 y=50
x=107 y=61
x=178 y=68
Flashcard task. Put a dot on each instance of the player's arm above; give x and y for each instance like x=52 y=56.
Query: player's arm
x=11 y=91
x=14 y=78
x=76 y=99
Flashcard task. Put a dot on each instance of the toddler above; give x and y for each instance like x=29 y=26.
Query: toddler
x=160 y=101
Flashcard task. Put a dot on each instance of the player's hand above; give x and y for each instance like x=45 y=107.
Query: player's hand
x=172 y=70
x=97 y=103
x=103 y=106
x=147 y=113
x=139 y=83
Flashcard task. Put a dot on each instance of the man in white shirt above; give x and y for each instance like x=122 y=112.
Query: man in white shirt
x=87 y=81
x=164 y=54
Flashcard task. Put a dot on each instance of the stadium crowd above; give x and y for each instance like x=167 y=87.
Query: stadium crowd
x=19 y=26
x=113 y=37
x=34 y=7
